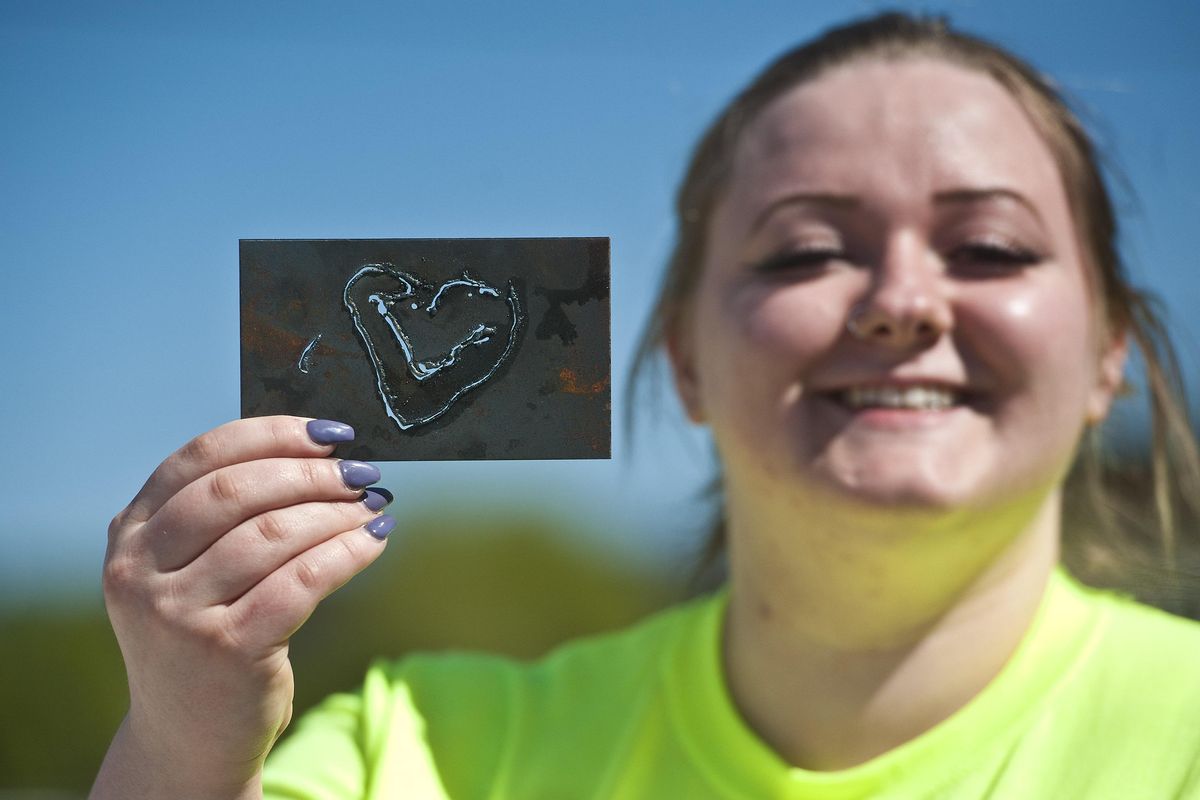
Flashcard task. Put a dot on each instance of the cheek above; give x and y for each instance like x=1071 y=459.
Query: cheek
x=1035 y=337
x=766 y=337
x=794 y=321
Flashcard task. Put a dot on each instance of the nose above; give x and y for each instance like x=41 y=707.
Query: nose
x=906 y=304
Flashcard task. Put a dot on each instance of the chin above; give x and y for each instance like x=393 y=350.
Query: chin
x=892 y=497
x=901 y=487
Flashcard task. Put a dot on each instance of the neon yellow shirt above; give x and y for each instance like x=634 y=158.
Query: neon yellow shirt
x=1101 y=700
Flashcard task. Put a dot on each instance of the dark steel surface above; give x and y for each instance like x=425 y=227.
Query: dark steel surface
x=550 y=397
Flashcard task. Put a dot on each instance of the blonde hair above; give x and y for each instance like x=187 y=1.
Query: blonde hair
x=1117 y=548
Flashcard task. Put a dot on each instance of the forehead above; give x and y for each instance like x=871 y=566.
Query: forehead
x=872 y=127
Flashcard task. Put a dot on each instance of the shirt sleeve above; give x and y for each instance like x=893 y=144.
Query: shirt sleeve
x=356 y=747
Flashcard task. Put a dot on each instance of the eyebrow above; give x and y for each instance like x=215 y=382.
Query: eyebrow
x=847 y=201
x=827 y=199
x=956 y=196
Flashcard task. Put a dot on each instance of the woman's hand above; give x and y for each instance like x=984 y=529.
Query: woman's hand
x=220 y=558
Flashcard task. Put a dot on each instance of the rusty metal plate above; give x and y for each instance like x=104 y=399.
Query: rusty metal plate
x=433 y=348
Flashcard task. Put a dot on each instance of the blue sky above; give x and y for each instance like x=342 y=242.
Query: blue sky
x=140 y=141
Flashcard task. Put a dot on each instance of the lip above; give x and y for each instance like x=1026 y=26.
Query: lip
x=895 y=382
x=893 y=418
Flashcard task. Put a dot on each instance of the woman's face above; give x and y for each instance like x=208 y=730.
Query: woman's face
x=893 y=307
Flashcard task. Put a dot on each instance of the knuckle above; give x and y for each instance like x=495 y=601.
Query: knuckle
x=313 y=474
x=308 y=573
x=165 y=607
x=203 y=627
x=282 y=432
x=225 y=636
x=271 y=528
x=116 y=526
x=348 y=549
x=276 y=435
x=206 y=449
x=226 y=489
x=237 y=636
x=120 y=577
x=231 y=632
x=352 y=514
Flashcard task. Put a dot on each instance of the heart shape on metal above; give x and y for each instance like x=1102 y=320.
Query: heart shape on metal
x=430 y=345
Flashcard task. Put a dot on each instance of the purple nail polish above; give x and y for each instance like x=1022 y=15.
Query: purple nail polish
x=328 y=431
x=358 y=474
x=376 y=498
x=381 y=526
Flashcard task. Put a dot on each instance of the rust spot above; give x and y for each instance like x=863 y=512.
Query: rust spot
x=570 y=383
x=268 y=335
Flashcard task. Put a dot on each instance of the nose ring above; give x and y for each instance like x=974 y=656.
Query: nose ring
x=854 y=323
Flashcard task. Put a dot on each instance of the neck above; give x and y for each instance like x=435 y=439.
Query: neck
x=832 y=633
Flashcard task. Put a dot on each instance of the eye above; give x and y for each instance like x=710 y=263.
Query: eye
x=993 y=257
x=802 y=261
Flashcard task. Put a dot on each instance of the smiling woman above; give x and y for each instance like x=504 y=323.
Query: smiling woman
x=1010 y=239
x=896 y=303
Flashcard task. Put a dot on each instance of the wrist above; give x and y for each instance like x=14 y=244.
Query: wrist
x=139 y=766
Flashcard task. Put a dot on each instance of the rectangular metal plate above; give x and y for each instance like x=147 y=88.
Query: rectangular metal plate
x=433 y=348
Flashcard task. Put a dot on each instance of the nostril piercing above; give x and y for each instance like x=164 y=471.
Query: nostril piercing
x=854 y=323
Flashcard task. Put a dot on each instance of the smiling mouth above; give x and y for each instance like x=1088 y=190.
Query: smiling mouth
x=906 y=398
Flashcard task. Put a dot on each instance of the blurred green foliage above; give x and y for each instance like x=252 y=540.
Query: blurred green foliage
x=505 y=584
x=63 y=691
x=516 y=584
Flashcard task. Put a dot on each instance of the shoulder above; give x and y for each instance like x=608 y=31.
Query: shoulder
x=1143 y=666
x=477 y=714
x=1128 y=705
x=1147 y=636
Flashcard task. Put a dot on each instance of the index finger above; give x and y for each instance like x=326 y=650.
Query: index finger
x=234 y=443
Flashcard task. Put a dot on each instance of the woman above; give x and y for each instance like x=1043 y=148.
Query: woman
x=896 y=302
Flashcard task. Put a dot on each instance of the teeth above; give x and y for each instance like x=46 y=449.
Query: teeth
x=912 y=397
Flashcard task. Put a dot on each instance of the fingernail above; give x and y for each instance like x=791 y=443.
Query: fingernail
x=377 y=498
x=381 y=526
x=328 y=431
x=358 y=474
